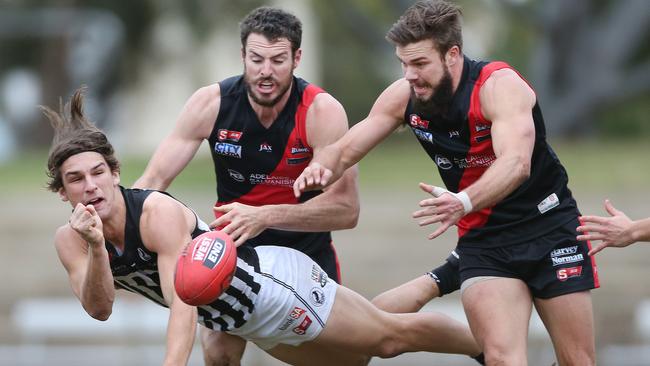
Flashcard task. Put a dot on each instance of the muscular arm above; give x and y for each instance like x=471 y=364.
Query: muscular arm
x=87 y=266
x=330 y=162
x=507 y=101
x=194 y=124
x=165 y=227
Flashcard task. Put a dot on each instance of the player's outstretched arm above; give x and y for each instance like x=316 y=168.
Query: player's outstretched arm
x=81 y=250
x=329 y=163
x=165 y=227
x=194 y=124
x=617 y=230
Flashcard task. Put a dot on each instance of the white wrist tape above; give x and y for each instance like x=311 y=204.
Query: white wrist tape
x=464 y=199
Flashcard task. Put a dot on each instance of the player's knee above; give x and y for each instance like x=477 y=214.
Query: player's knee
x=503 y=356
x=218 y=358
x=389 y=347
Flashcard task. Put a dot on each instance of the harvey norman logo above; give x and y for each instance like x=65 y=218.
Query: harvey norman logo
x=566 y=255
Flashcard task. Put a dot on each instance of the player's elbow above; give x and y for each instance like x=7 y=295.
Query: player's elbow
x=521 y=170
x=100 y=314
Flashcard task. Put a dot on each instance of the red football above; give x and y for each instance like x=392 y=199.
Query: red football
x=205 y=268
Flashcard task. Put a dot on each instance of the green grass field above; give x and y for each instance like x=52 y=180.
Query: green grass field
x=400 y=162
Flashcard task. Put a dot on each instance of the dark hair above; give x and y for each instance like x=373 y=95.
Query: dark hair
x=272 y=23
x=437 y=20
x=74 y=134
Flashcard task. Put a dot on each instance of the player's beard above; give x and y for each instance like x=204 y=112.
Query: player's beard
x=283 y=87
x=437 y=105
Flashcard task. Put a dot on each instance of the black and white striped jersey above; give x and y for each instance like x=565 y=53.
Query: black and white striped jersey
x=136 y=270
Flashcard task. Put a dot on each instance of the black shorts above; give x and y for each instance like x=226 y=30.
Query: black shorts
x=552 y=265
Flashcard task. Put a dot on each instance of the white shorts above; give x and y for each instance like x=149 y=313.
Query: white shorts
x=294 y=301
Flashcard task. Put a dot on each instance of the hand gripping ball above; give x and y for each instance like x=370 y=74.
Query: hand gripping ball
x=205 y=268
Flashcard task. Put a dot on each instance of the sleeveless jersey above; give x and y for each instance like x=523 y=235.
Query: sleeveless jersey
x=460 y=144
x=257 y=166
x=136 y=270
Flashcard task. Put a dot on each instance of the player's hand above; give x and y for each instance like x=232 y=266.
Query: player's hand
x=240 y=221
x=444 y=208
x=314 y=177
x=611 y=231
x=86 y=222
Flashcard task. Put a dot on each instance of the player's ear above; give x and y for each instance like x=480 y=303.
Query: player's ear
x=116 y=177
x=296 y=57
x=63 y=195
x=451 y=57
x=243 y=54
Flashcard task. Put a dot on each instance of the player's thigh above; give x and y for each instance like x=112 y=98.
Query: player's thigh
x=221 y=348
x=570 y=323
x=315 y=354
x=498 y=311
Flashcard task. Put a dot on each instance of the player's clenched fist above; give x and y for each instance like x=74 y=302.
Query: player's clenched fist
x=86 y=222
x=314 y=177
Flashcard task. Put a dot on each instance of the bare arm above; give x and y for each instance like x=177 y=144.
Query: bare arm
x=194 y=125
x=618 y=230
x=81 y=250
x=329 y=163
x=165 y=227
x=507 y=101
x=336 y=208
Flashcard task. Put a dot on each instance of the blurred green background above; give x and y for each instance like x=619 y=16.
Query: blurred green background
x=588 y=60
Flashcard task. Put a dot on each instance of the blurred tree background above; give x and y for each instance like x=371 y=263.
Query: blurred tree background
x=589 y=60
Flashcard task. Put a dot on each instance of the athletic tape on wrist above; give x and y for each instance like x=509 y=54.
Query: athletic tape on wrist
x=464 y=199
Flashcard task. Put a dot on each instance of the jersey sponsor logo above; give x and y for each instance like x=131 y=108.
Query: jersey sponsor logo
x=296 y=161
x=567 y=259
x=564 y=251
x=318 y=275
x=226 y=149
x=416 y=121
x=301 y=329
x=299 y=148
x=443 y=163
x=227 y=135
x=264 y=146
x=294 y=314
x=481 y=127
x=270 y=180
x=548 y=203
x=564 y=274
x=143 y=255
x=317 y=296
x=423 y=135
x=454 y=134
x=475 y=161
x=236 y=176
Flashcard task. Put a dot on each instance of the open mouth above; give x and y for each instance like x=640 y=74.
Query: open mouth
x=95 y=201
x=265 y=86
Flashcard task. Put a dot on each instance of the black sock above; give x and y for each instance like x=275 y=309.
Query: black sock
x=447 y=276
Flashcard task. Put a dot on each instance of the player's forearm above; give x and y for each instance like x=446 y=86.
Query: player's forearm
x=640 y=230
x=317 y=214
x=98 y=292
x=180 y=333
x=504 y=176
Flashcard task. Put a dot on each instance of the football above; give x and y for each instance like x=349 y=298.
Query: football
x=205 y=268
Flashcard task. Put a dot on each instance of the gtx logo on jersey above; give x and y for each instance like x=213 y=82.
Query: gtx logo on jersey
x=475 y=161
x=292 y=317
x=416 y=121
x=564 y=274
x=270 y=180
x=226 y=149
x=443 y=163
x=304 y=325
x=317 y=296
x=236 y=176
x=299 y=148
x=264 y=146
x=227 y=135
x=209 y=251
x=566 y=255
x=423 y=135
x=318 y=275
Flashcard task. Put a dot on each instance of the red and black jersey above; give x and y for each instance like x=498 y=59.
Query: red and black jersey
x=257 y=166
x=460 y=144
